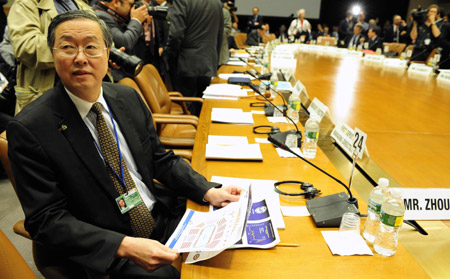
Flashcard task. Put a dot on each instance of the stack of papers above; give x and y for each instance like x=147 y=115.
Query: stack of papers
x=224 y=91
x=232 y=148
x=231 y=116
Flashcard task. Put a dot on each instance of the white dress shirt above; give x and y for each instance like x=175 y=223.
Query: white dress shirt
x=299 y=26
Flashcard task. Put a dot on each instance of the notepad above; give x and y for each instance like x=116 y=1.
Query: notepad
x=234 y=152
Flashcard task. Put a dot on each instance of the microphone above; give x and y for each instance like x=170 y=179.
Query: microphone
x=417 y=55
x=281 y=135
x=326 y=211
x=263 y=76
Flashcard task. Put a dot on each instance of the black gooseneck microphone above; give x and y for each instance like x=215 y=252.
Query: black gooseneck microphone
x=263 y=76
x=417 y=55
x=281 y=135
x=326 y=211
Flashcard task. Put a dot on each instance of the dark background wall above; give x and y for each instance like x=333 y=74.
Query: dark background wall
x=332 y=11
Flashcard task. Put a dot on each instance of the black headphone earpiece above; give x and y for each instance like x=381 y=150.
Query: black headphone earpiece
x=309 y=191
x=265 y=130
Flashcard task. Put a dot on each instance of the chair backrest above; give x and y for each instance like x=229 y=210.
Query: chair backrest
x=5 y=159
x=397 y=47
x=326 y=41
x=268 y=37
x=131 y=83
x=12 y=265
x=240 y=39
x=153 y=89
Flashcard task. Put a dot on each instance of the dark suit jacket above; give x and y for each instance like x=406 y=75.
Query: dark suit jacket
x=252 y=24
x=444 y=43
x=345 y=31
x=63 y=184
x=375 y=43
x=195 y=37
x=389 y=35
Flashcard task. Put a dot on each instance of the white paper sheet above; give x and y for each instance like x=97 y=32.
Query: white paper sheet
x=234 y=152
x=280 y=119
x=224 y=90
x=285 y=154
x=346 y=243
x=261 y=140
x=227 y=140
x=295 y=211
x=231 y=116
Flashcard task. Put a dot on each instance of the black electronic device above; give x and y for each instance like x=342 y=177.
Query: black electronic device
x=239 y=80
x=130 y=64
x=159 y=12
x=269 y=110
x=281 y=137
x=326 y=211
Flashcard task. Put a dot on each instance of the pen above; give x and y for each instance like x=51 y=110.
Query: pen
x=281 y=244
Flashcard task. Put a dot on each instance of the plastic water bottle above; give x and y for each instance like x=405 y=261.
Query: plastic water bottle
x=274 y=84
x=391 y=219
x=312 y=128
x=294 y=107
x=376 y=198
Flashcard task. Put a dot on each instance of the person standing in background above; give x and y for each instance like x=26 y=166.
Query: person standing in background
x=224 y=52
x=193 y=46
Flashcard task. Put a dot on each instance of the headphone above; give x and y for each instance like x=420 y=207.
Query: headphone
x=265 y=130
x=308 y=189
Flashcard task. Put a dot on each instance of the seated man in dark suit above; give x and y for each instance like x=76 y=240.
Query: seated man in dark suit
x=358 y=37
x=82 y=147
x=374 y=41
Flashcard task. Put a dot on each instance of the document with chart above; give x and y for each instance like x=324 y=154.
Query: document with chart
x=211 y=232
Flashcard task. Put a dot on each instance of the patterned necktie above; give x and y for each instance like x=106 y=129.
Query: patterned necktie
x=142 y=221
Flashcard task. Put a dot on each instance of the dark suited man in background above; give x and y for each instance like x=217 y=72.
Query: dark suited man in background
x=78 y=149
x=346 y=29
x=193 y=46
x=444 y=43
x=398 y=32
x=255 y=21
x=374 y=42
x=126 y=24
x=358 y=37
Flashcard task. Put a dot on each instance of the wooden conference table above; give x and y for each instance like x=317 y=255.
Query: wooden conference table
x=312 y=257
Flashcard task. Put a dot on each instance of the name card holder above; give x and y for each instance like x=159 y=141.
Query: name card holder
x=444 y=76
x=426 y=203
x=351 y=141
x=318 y=108
x=343 y=135
x=355 y=54
x=395 y=63
x=374 y=58
x=421 y=69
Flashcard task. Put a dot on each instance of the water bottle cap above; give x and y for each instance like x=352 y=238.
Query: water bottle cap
x=383 y=182
x=396 y=192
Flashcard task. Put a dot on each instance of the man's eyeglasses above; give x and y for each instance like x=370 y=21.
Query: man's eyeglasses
x=71 y=51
